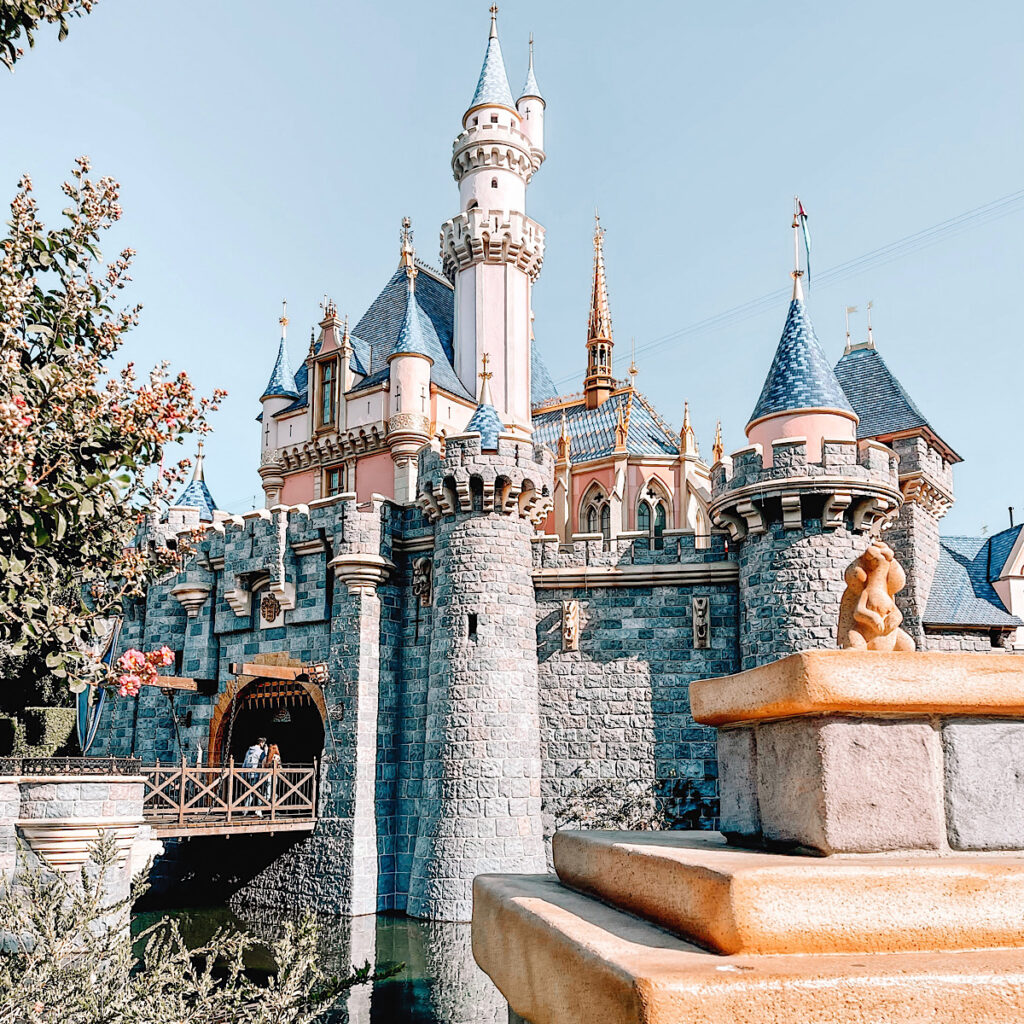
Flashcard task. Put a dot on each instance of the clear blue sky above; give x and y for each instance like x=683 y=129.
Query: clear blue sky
x=269 y=150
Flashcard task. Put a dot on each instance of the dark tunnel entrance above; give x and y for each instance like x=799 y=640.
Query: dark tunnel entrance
x=285 y=712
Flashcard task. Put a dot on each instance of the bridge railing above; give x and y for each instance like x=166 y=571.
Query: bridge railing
x=201 y=795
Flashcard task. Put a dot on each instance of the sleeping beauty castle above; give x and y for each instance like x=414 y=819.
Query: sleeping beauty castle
x=512 y=589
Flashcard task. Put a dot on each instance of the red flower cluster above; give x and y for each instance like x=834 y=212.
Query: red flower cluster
x=138 y=669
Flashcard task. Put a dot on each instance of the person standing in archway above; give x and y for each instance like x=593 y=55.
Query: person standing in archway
x=272 y=759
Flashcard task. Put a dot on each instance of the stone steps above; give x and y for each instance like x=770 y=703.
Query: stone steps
x=736 y=901
x=560 y=957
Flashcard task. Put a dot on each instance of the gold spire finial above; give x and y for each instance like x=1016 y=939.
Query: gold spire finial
x=283 y=319
x=871 y=337
x=797 y=273
x=600 y=325
x=312 y=342
x=687 y=435
x=485 y=375
x=633 y=371
x=564 y=440
x=197 y=473
x=408 y=256
x=718 y=449
x=494 y=21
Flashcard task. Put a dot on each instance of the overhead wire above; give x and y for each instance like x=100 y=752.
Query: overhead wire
x=991 y=211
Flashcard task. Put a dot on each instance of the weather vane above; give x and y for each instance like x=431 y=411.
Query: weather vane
x=485 y=374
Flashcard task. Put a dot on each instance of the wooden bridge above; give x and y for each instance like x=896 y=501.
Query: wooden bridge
x=215 y=800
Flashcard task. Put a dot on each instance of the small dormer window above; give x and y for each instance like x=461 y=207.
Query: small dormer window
x=494 y=182
x=327 y=390
x=494 y=118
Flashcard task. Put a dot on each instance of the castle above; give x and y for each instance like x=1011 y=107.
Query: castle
x=513 y=589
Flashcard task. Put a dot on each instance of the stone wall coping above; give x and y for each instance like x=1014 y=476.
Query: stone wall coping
x=73 y=779
x=654 y=575
x=864 y=683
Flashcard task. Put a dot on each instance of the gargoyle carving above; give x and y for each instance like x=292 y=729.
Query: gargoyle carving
x=868 y=616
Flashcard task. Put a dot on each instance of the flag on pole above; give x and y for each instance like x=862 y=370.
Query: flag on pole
x=801 y=214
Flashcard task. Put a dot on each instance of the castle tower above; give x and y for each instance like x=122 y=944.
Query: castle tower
x=531 y=106
x=279 y=393
x=800 y=501
x=599 y=383
x=888 y=414
x=409 y=423
x=491 y=250
x=480 y=805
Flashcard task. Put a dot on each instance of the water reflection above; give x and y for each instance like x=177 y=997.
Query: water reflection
x=441 y=983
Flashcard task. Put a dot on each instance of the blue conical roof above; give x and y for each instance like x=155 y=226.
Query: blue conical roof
x=197 y=494
x=531 y=88
x=282 y=380
x=417 y=335
x=493 y=87
x=485 y=420
x=800 y=376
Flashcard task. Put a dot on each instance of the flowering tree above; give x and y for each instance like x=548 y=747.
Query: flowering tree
x=81 y=446
x=21 y=18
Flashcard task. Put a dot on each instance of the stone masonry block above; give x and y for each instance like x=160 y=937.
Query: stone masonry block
x=737 y=761
x=840 y=785
x=984 y=769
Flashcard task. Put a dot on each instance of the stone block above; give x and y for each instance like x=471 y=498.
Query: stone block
x=984 y=773
x=737 y=756
x=840 y=785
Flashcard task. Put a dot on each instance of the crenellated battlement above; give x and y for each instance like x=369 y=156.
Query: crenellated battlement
x=478 y=236
x=494 y=146
x=591 y=550
x=854 y=481
x=515 y=480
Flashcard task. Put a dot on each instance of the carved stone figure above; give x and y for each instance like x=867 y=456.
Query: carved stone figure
x=421 y=580
x=868 y=616
x=570 y=625
x=701 y=622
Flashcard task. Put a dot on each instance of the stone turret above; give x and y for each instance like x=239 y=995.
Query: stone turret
x=480 y=808
x=800 y=508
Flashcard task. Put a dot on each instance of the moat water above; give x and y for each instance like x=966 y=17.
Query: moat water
x=440 y=983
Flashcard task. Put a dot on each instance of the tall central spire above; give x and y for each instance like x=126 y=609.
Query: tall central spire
x=598 y=384
x=492 y=88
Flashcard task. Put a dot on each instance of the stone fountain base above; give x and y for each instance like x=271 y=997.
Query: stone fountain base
x=883 y=796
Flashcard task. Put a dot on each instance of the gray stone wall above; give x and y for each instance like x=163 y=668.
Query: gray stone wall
x=619 y=707
x=914 y=538
x=791 y=582
x=969 y=640
x=480 y=805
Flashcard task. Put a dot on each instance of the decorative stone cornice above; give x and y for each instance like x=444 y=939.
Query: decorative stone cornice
x=362 y=573
x=922 y=489
x=65 y=843
x=677 y=574
x=191 y=596
x=492 y=236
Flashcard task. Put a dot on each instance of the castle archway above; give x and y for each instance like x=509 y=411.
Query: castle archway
x=290 y=713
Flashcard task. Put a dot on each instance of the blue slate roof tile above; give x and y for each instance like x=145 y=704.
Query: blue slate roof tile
x=592 y=431
x=282 y=380
x=962 y=593
x=486 y=422
x=492 y=86
x=878 y=398
x=800 y=376
x=197 y=495
x=542 y=387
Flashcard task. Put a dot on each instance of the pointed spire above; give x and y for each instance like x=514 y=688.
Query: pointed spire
x=621 y=430
x=718 y=448
x=282 y=380
x=599 y=324
x=871 y=336
x=687 y=436
x=531 y=88
x=800 y=377
x=197 y=473
x=485 y=421
x=412 y=336
x=564 y=441
x=492 y=88
x=598 y=382
x=197 y=494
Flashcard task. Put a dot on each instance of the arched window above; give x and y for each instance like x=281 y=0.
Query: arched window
x=643 y=518
x=606 y=522
x=473 y=204
x=494 y=182
x=592 y=520
x=659 y=527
